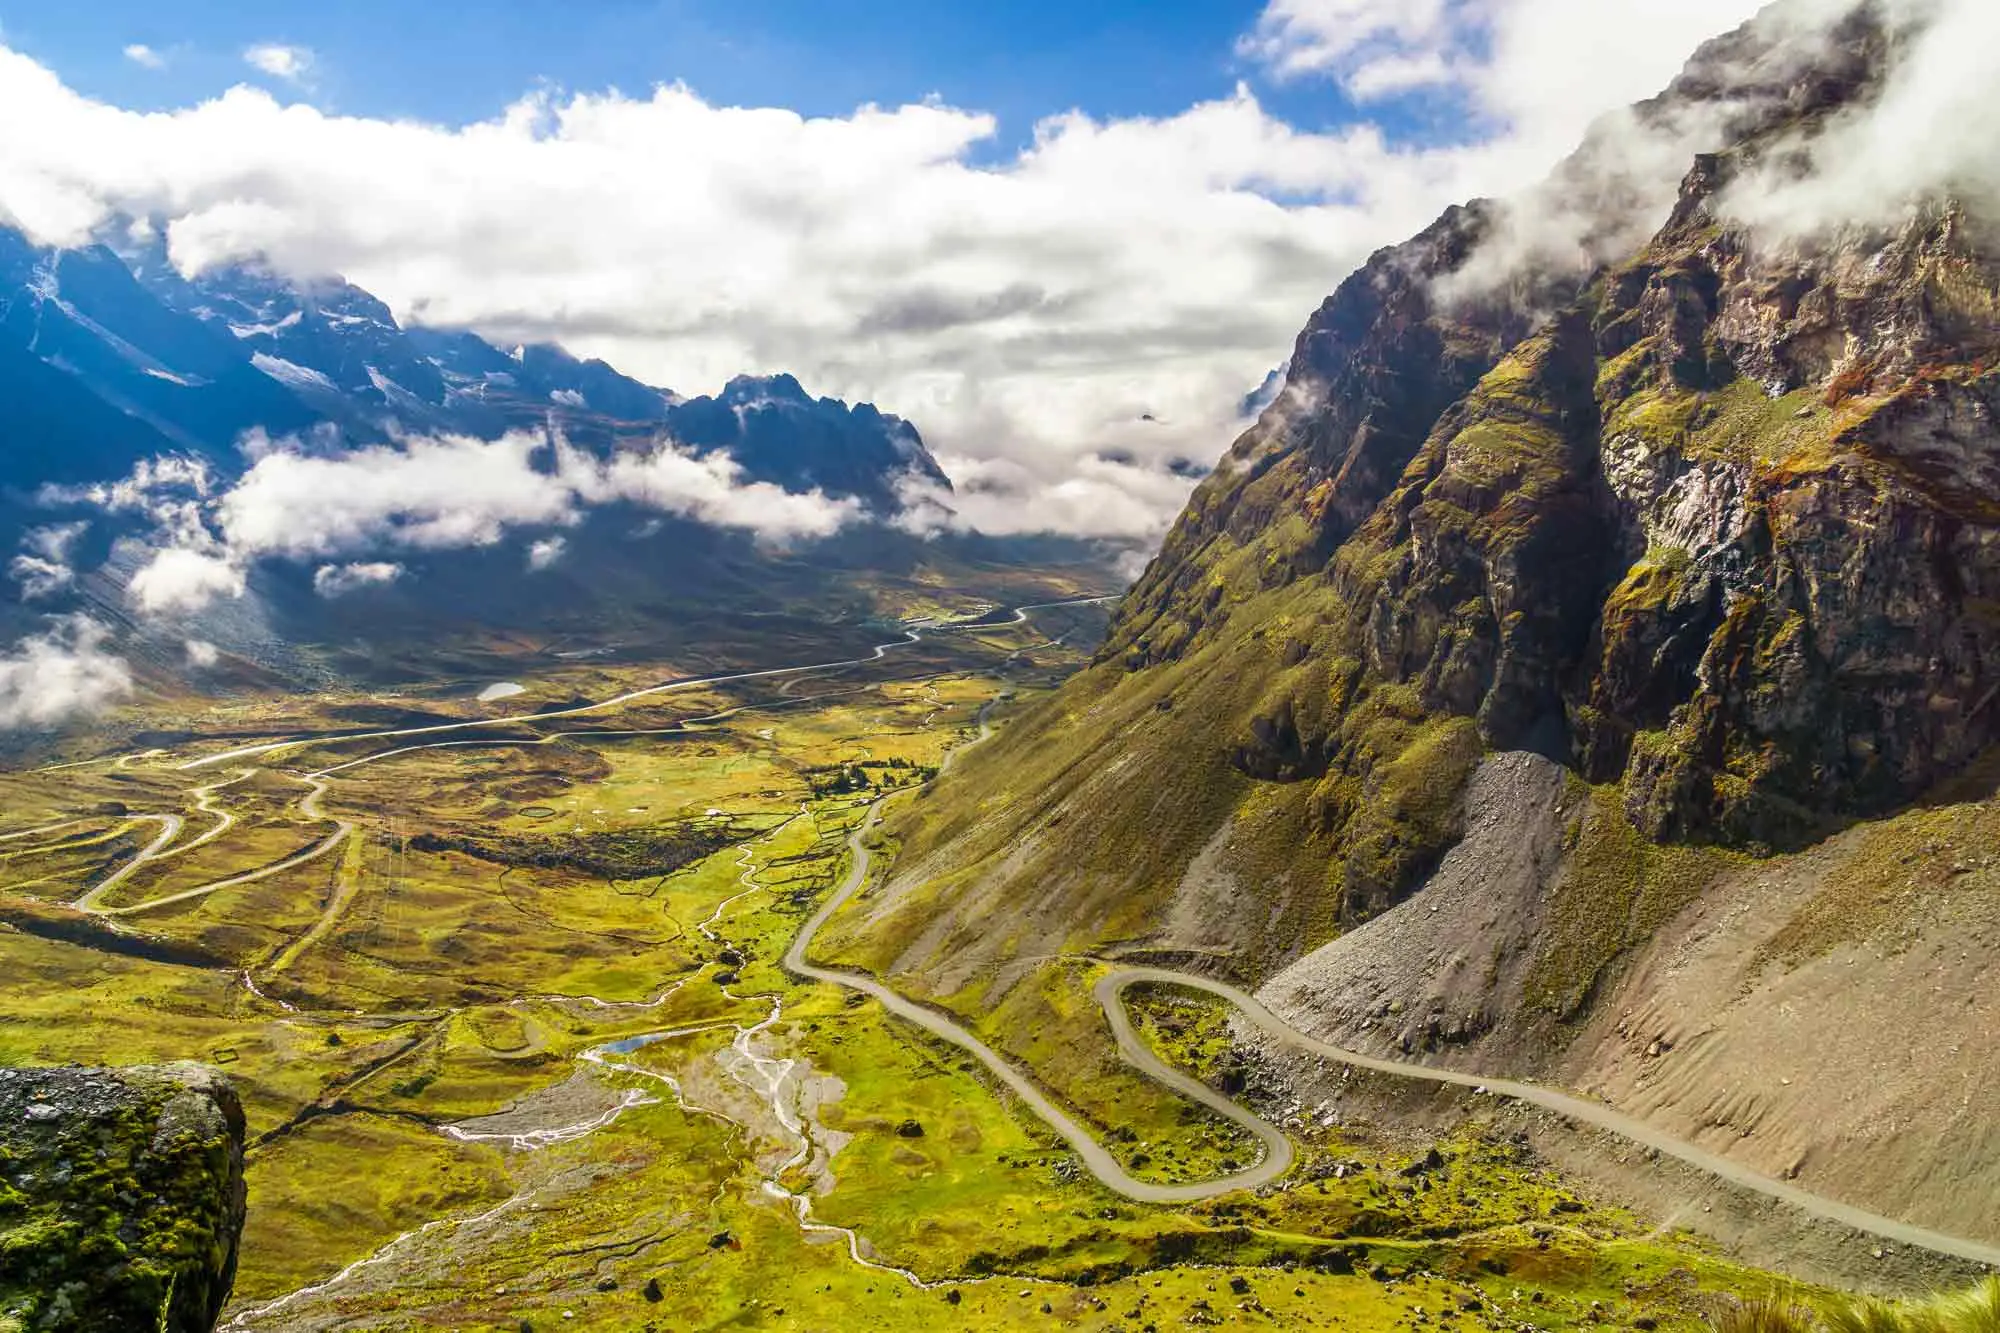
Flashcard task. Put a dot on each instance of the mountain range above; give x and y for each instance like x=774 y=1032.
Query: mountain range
x=138 y=405
x=108 y=358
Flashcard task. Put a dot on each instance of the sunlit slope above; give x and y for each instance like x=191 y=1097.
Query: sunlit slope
x=1711 y=525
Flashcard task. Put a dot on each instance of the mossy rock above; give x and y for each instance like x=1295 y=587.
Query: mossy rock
x=123 y=1197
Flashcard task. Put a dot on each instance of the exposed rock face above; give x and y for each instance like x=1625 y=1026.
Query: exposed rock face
x=121 y=1197
x=1708 y=517
x=1722 y=525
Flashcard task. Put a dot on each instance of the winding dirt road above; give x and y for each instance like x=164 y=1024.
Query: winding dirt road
x=1109 y=992
x=1110 y=995
x=308 y=806
x=1277 y=1148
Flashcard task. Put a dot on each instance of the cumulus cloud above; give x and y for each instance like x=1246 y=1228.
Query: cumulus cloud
x=201 y=654
x=427 y=493
x=43 y=568
x=145 y=56
x=339 y=580
x=290 y=63
x=1026 y=307
x=182 y=579
x=61 y=673
x=546 y=552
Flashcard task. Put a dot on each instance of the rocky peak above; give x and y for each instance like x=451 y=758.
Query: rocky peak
x=757 y=390
x=1713 y=517
x=777 y=432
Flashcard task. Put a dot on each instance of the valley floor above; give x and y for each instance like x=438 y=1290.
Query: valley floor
x=508 y=1000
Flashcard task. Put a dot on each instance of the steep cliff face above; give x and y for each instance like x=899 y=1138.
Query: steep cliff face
x=1708 y=519
x=1801 y=449
x=121 y=1198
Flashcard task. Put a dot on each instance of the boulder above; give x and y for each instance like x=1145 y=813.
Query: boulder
x=121 y=1197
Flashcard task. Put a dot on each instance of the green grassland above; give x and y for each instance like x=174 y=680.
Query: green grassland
x=445 y=1133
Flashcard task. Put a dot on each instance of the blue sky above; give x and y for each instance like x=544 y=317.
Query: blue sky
x=455 y=62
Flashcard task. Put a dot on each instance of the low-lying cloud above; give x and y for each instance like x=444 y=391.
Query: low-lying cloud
x=424 y=494
x=1926 y=134
x=331 y=581
x=546 y=552
x=63 y=673
x=43 y=568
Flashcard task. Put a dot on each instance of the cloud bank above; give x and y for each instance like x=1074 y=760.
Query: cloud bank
x=426 y=493
x=1110 y=288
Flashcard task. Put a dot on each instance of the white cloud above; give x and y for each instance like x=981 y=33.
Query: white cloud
x=1299 y=37
x=339 y=580
x=182 y=579
x=141 y=492
x=1535 y=67
x=426 y=493
x=546 y=552
x=201 y=654
x=291 y=63
x=711 y=490
x=43 y=567
x=1001 y=497
x=1926 y=132
x=59 y=674
x=145 y=56
x=1025 y=308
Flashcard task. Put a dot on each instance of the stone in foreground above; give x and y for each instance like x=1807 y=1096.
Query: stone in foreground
x=121 y=1197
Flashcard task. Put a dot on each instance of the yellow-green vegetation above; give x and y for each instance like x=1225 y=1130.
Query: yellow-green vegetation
x=1739 y=423
x=1052 y=1024
x=1976 y=1310
x=499 y=908
x=520 y=1048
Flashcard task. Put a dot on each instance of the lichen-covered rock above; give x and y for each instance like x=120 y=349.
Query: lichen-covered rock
x=121 y=1198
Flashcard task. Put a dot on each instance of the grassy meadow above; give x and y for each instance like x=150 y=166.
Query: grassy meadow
x=507 y=1013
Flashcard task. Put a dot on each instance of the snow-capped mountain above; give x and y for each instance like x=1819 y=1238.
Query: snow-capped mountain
x=109 y=357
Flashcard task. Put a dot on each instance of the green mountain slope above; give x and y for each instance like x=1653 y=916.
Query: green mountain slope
x=1709 y=522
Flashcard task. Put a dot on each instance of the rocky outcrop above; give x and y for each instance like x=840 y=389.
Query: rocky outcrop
x=121 y=1198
